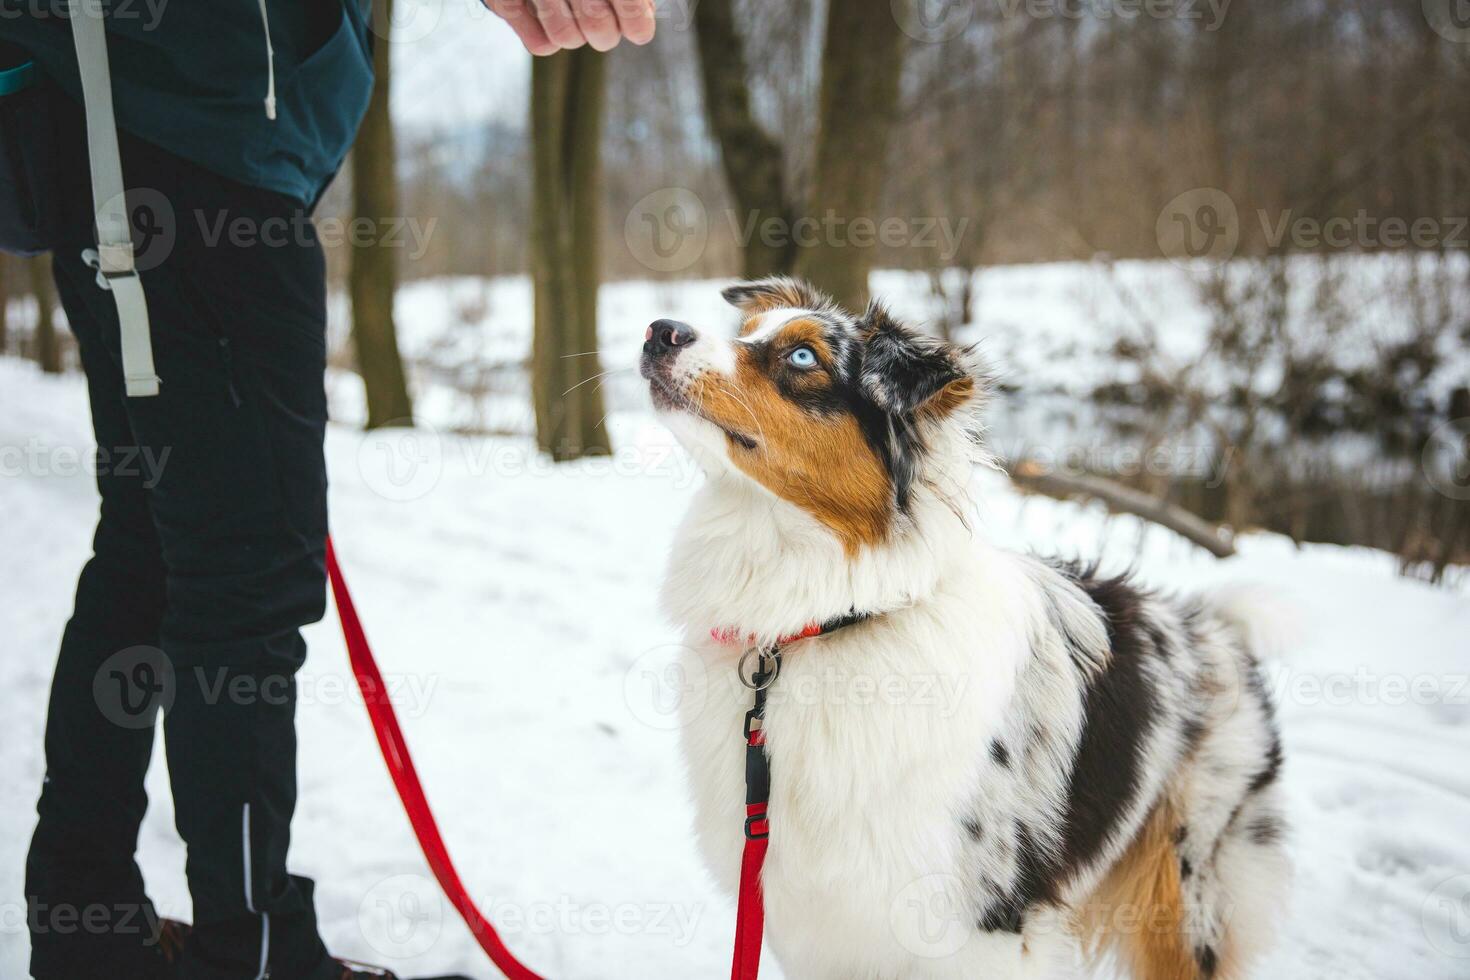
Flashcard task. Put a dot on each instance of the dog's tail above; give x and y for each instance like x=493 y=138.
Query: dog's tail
x=1267 y=621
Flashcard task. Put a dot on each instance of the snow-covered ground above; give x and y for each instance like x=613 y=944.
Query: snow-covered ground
x=512 y=606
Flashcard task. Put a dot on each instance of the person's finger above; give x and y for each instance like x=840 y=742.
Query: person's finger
x=635 y=19
x=560 y=26
x=521 y=17
x=598 y=23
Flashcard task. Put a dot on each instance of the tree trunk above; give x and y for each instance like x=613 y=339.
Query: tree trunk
x=566 y=125
x=4 y=308
x=48 y=348
x=752 y=159
x=373 y=278
x=861 y=65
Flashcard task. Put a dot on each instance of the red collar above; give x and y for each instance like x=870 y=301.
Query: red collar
x=730 y=635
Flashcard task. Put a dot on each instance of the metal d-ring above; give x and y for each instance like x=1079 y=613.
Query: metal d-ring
x=763 y=676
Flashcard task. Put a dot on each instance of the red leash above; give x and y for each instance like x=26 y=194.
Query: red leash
x=750 y=917
x=406 y=778
x=750 y=920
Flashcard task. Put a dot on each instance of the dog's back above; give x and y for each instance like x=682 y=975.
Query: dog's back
x=1199 y=886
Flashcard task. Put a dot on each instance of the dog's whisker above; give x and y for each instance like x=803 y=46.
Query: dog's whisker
x=594 y=378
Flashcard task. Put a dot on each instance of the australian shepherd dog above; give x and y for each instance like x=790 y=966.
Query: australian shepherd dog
x=1004 y=767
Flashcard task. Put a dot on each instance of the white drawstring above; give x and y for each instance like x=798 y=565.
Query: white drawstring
x=270 y=64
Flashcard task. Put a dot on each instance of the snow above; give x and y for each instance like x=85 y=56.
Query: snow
x=512 y=606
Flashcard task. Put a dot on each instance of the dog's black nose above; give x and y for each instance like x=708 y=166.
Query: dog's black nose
x=664 y=336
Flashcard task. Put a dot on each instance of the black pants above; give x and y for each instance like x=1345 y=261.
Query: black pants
x=208 y=558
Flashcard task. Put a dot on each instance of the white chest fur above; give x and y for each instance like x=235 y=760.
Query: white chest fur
x=875 y=734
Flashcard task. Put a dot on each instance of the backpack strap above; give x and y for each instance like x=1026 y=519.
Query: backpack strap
x=113 y=257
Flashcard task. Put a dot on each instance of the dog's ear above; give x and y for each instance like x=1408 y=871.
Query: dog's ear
x=774 y=292
x=905 y=372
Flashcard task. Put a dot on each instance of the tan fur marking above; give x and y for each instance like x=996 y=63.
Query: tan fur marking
x=949 y=399
x=1138 y=910
x=823 y=465
x=751 y=324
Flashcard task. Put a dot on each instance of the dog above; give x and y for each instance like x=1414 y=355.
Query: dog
x=1003 y=767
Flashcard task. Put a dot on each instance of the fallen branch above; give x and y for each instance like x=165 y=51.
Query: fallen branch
x=1125 y=500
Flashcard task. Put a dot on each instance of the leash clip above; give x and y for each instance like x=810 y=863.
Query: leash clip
x=767 y=667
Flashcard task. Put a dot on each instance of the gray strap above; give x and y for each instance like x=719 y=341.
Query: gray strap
x=114 y=256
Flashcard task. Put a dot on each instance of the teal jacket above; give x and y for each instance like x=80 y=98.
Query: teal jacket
x=192 y=77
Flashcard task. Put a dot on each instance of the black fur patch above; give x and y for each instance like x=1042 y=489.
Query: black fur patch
x=902 y=370
x=1003 y=917
x=1266 y=831
x=1000 y=754
x=1120 y=706
x=1208 y=961
x=973 y=828
x=1034 y=885
x=1193 y=730
x=1272 y=768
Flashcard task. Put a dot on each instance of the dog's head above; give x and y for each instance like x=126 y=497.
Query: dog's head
x=841 y=414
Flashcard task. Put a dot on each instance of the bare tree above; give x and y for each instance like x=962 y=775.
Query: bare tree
x=373 y=278
x=751 y=157
x=861 y=65
x=4 y=308
x=566 y=124
x=48 y=346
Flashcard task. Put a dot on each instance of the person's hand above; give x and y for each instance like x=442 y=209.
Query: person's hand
x=549 y=26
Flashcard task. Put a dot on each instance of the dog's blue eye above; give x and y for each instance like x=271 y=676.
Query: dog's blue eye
x=802 y=357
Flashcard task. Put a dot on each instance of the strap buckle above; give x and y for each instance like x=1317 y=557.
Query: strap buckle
x=752 y=832
x=111 y=262
x=751 y=717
